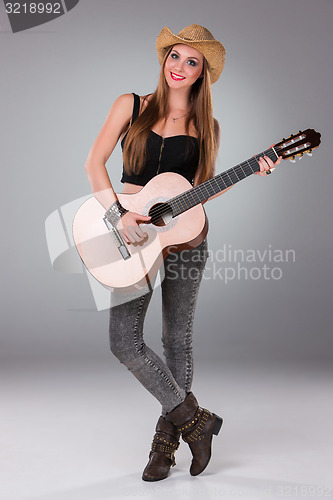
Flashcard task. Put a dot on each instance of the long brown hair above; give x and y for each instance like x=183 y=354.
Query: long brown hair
x=201 y=115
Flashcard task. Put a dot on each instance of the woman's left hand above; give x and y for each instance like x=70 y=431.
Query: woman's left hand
x=266 y=165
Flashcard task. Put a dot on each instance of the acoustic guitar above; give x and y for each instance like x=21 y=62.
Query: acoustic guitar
x=178 y=220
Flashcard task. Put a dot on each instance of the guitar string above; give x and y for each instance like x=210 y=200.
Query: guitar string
x=181 y=201
x=206 y=185
x=190 y=198
x=246 y=164
x=183 y=198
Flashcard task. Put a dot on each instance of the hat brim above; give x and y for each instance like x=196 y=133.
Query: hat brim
x=212 y=50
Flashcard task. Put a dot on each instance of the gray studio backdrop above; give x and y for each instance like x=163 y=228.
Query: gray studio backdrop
x=58 y=82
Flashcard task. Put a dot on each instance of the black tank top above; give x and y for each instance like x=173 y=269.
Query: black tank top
x=179 y=154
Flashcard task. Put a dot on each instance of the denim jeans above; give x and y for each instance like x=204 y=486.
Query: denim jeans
x=168 y=380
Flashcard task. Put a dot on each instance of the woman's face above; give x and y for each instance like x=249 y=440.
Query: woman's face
x=183 y=66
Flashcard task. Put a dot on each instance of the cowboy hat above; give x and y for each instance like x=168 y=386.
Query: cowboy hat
x=199 y=38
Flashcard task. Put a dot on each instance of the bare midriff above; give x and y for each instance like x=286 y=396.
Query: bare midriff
x=131 y=188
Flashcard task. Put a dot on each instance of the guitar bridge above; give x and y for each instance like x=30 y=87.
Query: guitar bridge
x=119 y=242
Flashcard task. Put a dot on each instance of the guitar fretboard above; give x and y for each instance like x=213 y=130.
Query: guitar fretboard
x=201 y=193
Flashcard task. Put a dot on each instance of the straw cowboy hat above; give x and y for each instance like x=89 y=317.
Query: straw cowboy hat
x=199 y=38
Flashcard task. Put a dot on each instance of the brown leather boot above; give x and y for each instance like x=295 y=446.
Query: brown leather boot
x=197 y=426
x=161 y=457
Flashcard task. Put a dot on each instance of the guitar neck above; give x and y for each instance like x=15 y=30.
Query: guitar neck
x=202 y=192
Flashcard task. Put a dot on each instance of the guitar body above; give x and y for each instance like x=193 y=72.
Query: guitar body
x=102 y=258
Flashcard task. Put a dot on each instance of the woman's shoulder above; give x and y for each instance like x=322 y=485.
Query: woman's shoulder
x=122 y=109
x=123 y=103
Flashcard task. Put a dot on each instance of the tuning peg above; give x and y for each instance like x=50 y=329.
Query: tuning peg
x=292 y=159
x=309 y=153
x=300 y=156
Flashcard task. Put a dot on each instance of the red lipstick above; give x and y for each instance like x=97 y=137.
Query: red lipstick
x=176 y=77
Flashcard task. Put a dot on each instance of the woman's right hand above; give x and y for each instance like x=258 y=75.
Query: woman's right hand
x=129 y=228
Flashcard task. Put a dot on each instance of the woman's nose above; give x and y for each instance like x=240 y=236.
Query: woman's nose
x=179 y=65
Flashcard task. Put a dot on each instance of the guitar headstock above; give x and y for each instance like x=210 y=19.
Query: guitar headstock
x=298 y=144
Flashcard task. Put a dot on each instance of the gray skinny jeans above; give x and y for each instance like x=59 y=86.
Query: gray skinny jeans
x=170 y=380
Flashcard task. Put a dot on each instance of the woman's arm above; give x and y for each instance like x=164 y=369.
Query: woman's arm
x=115 y=125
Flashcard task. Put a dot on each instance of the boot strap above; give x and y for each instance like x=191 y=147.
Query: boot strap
x=168 y=451
x=164 y=446
x=195 y=427
x=159 y=441
x=191 y=423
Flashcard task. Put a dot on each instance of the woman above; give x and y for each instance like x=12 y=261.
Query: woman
x=172 y=129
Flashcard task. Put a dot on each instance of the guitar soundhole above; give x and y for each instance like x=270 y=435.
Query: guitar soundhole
x=161 y=214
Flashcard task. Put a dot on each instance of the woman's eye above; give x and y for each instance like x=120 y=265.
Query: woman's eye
x=192 y=63
x=174 y=56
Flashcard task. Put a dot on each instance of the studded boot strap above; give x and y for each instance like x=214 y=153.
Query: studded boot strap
x=191 y=430
x=164 y=446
